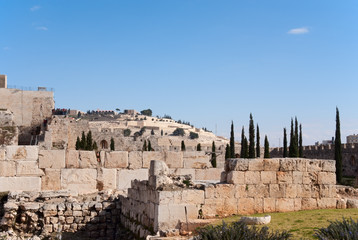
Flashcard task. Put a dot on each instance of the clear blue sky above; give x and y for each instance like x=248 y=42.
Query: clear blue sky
x=203 y=61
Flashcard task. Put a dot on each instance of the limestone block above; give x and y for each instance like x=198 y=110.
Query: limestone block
x=183 y=171
x=174 y=159
x=256 y=164
x=314 y=165
x=309 y=203
x=277 y=190
x=284 y=204
x=208 y=174
x=329 y=165
x=87 y=159
x=54 y=159
x=236 y=177
x=352 y=203
x=252 y=177
x=116 y=159
x=241 y=190
x=200 y=162
x=240 y=164
x=135 y=159
x=310 y=178
x=192 y=196
x=304 y=191
x=125 y=176
x=22 y=152
x=51 y=180
x=2 y=154
x=28 y=168
x=258 y=205
x=301 y=165
x=269 y=205
x=109 y=178
x=229 y=207
x=297 y=177
x=271 y=164
x=298 y=204
x=284 y=177
x=288 y=164
x=245 y=206
x=326 y=178
x=291 y=190
x=257 y=190
x=151 y=155
x=169 y=215
x=268 y=177
x=80 y=181
x=7 y=169
x=326 y=203
x=225 y=190
x=327 y=191
x=341 y=204
x=72 y=159
x=20 y=184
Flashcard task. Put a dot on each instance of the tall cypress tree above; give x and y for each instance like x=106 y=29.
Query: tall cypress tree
x=292 y=139
x=242 y=153
x=89 y=141
x=267 y=148
x=145 y=148
x=300 y=146
x=338 y=149
x=296 y=137
x=78 y=143
x=83 y=141
x=246 y=148
x=232 y=141
x=251 y=138
x=149 y=146
x=213 y=155
x=284 y=143
x=182 y=145
x=112 y=145
x=227 y=151
x=257 y=141
x=198 y=147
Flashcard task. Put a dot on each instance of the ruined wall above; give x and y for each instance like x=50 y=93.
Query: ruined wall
x=9 y=133
x=349 y=155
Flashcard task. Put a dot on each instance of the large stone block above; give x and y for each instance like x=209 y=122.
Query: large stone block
x=183 y=171
x=197 y=162
x=297 y=177
x=257 y=190
x=135 y=159
x=125 y=177
x=236 y=177
x=2 y=154
x=245 y=205
x=116 y=159
x=174 y=159
x=271 y=164
x=151 y=155
x=108 y=177
x=80 y=181
x=268 y=177
x=28 y=168
x=326 y=203
x=54 y=159
x=309 y=203
x=20 y=184
x=192 y=196
x=284 y=177
x=22 y=152
x=51 y=180
x=169 y=215
x=327 y=191
x=326 y=178
x=237 y=164
x=287 y=164
x=87 y=159
x=7 y=169
x=301 y=165
x=208 y=174
x=252 y=177
x=291 y=190
x=256 y=164
x=269 y=204
x=329 y=165
x=314 y=165
x=72 y=159
x=284 y=205
x=277 y=190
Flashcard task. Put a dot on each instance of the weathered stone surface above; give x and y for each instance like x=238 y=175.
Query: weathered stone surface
x=309 y=203
x=197 y=162
x=135 y=159
x=20 y=183
x=236 y=177
x=297 y=177
x=51 y=180
x=326 y=178
x=287 y=164
x=22 y=152
x=184 y=171
x=116 y=159
x=324 y=203
x=341 y=204
x=208 y=174
x=169 y=215
x=28 y=168
x=314 y=165
x=87 y=159
x=329 y=166
x=54 y=159
x=109 y=178
x=257 y=190
x=2 y=154
x=256 y=220
x=80 y=181
x=277 y=190
x=252 y=177
x=284 y=177
x=237 y=164
x=256 y=164
x=284 y=204
x=7 y=169
x=124 y=177
x=72 y=159
x=269 y=204
x=271 y=164
x=150 y=155
x=268 y=177
x=174 y=159
x=352 y=203
x=245 y=205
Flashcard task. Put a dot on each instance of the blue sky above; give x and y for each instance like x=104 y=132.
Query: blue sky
x=203 y=61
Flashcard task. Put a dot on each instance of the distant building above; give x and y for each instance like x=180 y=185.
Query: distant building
x=352 y=138
x=130 y=112
x=325 y=142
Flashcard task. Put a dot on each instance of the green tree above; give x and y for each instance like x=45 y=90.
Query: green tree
x=179 y=132
x=338 y=148
x=146 y=112
x=149 y=146
x=258 y=153
x=78 y=143
x=198 y=147
x=112 y=144
x=251 y=138
x=161 y=132
x=246 y=148
x=296 y=137
x=232 y=141
x=95 y=147
x=284 y=143
x=227 y=151
x=182 y=145
x=244 y=144
x=213 y=155
x=145 y=148
x=293 y=149
x=152 y=132
x=193 y=135
x=127 y=132
x=83 y=141
x=300 y=146
x=267 y=148
x=89 y=141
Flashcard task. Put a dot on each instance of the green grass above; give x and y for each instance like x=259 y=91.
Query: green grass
x=302 y=224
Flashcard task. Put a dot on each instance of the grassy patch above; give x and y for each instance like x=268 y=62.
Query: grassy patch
x=302 y=224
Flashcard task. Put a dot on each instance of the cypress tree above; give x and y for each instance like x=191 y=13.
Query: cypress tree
x=152 y=132
x=89 y=141
x=198 y=147
x=257 y=141
x=243 y=154
x=300 y=146
x=227 y=151
x=296 y=138
x=149 y=146
x=182 y=145
x=78 y=143
x=245 y=148
x=338 y=149
x=284 y=143
x=213 y=155
x=112 y=145
x=83 y=141
x=145 y=148
x=161 y=132
x=95 y=146
x=232 y=141
x=267 y=148
x=251 y=138
x=292 y=148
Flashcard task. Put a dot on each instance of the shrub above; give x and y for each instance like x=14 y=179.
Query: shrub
x=239 y=230
x=146 y=112
x=179 y=132
x=345 y=229
x=193 y=135
x=126 y=132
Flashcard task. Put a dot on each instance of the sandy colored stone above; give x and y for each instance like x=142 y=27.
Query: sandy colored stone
x=151 y=155
x=284 y=177
x=269 y=204
x=2 y=154
x=314 y=165
x=291 y=190
x=169 y=215
x=257 y=190
x=252 y=177
x=51 y=180
x=87 y=159
x=7 y=168
x=192 y=196
x=72 y=159
x=327 y=191
x=125 y=176
x=198 y=162
x=287 y=164
x=297 y=204
x=236 y=177
x=80 y=181
x=109 y=178
x=326 y=178
x=245 y=206
x=240 y=164
x=329 y=165
x=256 y=164
x=301 y=165
x=284 y=204
x=135 y=159
x=268 y=177
x=22 y=152
x=309 y=203
x=324 y=203
x=208 y=174
x=241 y=190
x=20 y=184
x=28 y=168
x=297 y=177
x=174 y=159
x=54 y=159
x=277 y=190
x=271 y=164
x=116 y=159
